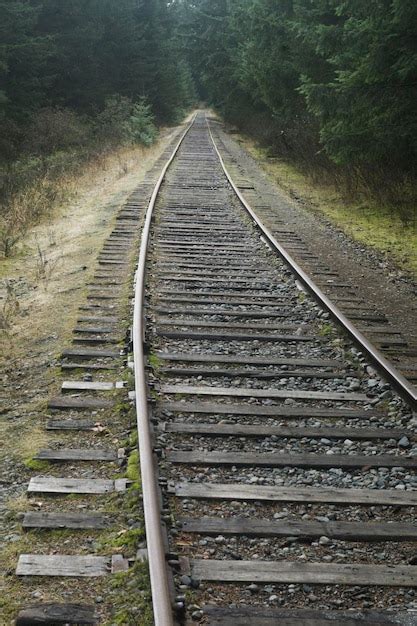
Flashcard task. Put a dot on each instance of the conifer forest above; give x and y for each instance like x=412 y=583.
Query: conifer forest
x=328 y=84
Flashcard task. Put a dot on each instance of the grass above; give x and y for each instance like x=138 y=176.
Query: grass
x=326 y=330
x=28 y=443
x=36 y=465
x=132 y=590
x=154 y=361
x=370 y=224
x=132 y=470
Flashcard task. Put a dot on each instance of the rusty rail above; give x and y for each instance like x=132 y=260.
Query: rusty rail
x=405 y=389
x=163 y=615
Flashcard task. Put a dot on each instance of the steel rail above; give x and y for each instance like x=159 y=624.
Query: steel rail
x=162 y=607
x=407 y=391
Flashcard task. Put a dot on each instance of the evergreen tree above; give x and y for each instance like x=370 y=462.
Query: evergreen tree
x=77 y=54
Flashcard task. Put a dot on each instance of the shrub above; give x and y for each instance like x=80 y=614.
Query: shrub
x=123 y=121
x=141 y=124
x=53 y=129
x=112 y=124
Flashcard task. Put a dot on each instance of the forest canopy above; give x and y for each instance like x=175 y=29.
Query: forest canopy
x=81 y=56
x=323 y=81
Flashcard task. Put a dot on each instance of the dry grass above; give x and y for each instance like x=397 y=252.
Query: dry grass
x=37 y=199
x=30 y=442
x=9 y=308
x=39 y=328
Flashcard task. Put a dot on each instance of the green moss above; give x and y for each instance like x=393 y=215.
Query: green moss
x=129 y=379
x=154 y=361
x=132 y=602
x=122 y=408
x=326 y=329
x=133 y=439
x=35 y=464
x=125 y=541
x=132 y=470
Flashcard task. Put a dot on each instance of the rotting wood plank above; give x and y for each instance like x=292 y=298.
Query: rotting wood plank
x=229 y=297
x=94 y=330
x=349 y=531
x=82 y=385
x=206 y=245
x=204 y=278
x=119 y=564
x=101 y=319
x=280 y=309
x=110 y=273
x=204 y=265
x=109 y=262
x=257 y=430
x=244 y=325
x=245 y=359
x=279 y=459
x=55 y=614
x=379 y=330
x=249 y=615
x=88 y=366
x=255 y=314
x=371 y=317
x=241 y=392
x=106 y=282
x=178 y=270
x=73 y=425
x=179 y=334
x=238 y=491
x=49 y=484
x=98 y=307
x=62 y=565
x=95 y=340
x=262 y=410
x=69 y=403
x=97 y=521
x=76 y=454
x=310 y=573
x=98 y=296
x=239 y=288
x=252 y=373
x=223 y=298
x=90 y=353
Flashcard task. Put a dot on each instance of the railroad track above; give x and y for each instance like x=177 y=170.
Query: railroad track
x=311 y=252
x=277 y=466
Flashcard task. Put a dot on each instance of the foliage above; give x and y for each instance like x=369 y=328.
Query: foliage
x=53 y=129
x=329 y=84
x=62 y=63
x=141 y=124
x=77 y=79
x=122 y=121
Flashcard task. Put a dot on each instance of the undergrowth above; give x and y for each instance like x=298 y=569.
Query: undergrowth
x=59 y=146
x=367 y=219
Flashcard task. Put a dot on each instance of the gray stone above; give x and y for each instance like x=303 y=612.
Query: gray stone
x=404 y=442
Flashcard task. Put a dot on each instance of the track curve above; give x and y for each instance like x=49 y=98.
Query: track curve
x=225 y=321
